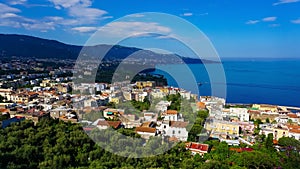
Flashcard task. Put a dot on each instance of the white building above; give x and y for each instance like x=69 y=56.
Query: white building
x=175 y=129
x=162 y=106
x=171 y=115
x=185 y=94
x=146 y=132
x=294 y=134
x=157 y=94
x=241 y=113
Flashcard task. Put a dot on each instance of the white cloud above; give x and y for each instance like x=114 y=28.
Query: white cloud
x=9 y=15
x=285 y=2
x=269 y=19
x=124 y=29
x=81 y=11
x=42 y=26
x=252 y=22
x=16 y=21
x=90 y=15
x=266 y=19
x=296 y=21
x=187 y=14
x=136 y=15
x=5 y=8
x=16 y=2
x=59 y=4
x=62 y=21
x=10 y=18
x=85 y=29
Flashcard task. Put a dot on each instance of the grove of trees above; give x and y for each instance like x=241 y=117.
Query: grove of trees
x=56 y=144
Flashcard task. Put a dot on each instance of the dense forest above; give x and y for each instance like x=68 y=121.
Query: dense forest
x=56 y=144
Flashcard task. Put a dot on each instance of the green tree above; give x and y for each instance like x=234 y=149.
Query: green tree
x=288 y=141
x=269 y=142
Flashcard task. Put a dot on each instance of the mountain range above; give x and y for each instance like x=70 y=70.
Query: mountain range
x=29 y=46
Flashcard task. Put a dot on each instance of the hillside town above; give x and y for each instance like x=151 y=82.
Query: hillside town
x=99 y=106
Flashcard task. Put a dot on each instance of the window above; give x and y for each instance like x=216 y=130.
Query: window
x=165 y=126
x=173 y=132
x=179 y=131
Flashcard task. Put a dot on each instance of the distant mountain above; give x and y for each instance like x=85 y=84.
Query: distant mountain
x=28 y=46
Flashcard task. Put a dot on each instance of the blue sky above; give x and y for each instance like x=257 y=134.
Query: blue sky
x=256 y=28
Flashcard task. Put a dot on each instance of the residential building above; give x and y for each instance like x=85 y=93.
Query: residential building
x=197 y=148
x=246 y=127
x=171 y=115
x=103 y=124
x=111 y=113
x=144 y=84
x=265 y=107
x=241 y=113
x=174 y=129
x=278 y=131
x=162 y=106
x=294 y=131
x=221 y=126
x=146 y=132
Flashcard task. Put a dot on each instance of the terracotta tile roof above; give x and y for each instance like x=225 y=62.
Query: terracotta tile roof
x=171 y=112
x=114 y=124
x=32 y=93
x=197 y=146
x=293 y=127
x=201 y=105
x=179 y=124
x=294 y=131
x=3 y=110
x=239 y=150
x=292 y=115
x=145 y=129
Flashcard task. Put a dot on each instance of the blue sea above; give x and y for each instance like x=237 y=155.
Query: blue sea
x=270 y=81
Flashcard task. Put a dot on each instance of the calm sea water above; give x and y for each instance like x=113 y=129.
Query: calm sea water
x=274 y=81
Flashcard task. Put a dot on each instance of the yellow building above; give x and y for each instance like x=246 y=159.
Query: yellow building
x=114 y=100
x=165 y=90
x=265 y=107
x=222 y=127
x=143 y=84
x=280 y=132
